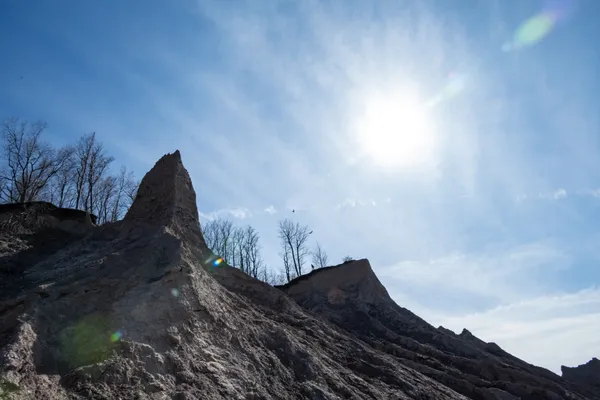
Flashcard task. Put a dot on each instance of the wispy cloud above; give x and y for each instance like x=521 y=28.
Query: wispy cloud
x=236 y=213
x=348 y=202
x=559 y=194
x=244 y=212
x=513 y=297
x=271 y=210
x=589 y=192
x=545 y=330
x=484 y=279
x=555 y=195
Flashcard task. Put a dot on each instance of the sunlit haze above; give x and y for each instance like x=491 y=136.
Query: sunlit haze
x=396 y=130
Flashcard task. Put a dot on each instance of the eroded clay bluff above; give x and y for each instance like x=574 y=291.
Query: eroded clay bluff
x=134 y=310
x=586 y=373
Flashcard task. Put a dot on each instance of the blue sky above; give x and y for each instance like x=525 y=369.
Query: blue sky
x=478 y=211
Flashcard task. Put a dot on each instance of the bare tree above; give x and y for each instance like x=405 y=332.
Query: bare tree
x=131 y=190
x=209 y=232
x=91 y=166
x=122 y=200
x=218 y=234
x=98 y=166
x=83 y=152
x=347 y=259
x=293 y=238
x=239 y=247
x=273 y=277
x=61 y=189
x=30 y=162
x=253 y=262
x=319 y=257
x=3 y=185
x=288 y=268
x=106 y=196
x=70 y=176
x=237 y=258
x=227 y=246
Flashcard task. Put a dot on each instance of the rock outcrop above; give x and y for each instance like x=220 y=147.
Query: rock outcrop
x=166 y=198
x=588 y=373
x=33 y=216
x=29 y=231
x=136 y=310
x=351 y=297
x=357 y=285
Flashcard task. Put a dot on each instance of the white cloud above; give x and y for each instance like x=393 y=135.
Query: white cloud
x=553 y=195
x=509 y=296
x=589 y=192
x=548 y=331
x=559 y=194
x=496 y=277
x=346 y=203
x=237 y=213
x=271 y=210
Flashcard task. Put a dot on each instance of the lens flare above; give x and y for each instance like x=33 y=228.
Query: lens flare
x=536 y=28
x=116 y=336
x=175 y=292
x=531 y=32
x=88 y=341
x=455 y=84
x=217 y=261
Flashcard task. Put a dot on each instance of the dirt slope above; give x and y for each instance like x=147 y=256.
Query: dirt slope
x=132 y=310
x=135 y=310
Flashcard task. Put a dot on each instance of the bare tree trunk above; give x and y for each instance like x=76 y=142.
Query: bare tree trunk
x=285 y=255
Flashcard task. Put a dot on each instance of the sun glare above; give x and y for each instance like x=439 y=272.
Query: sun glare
x=397 y=132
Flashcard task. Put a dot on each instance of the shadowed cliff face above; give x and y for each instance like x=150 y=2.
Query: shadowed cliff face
x=350 y=296
x=134 y=309
x=352 y=282
x=166 y=198
x=36 y=215
x=588 y=373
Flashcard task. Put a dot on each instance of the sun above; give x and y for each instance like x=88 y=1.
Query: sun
x=396 y=131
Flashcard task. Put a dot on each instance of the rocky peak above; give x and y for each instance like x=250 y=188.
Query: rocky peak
x=351 y=281
x=468 y=336
x=38 y=215
x=587 y=373
x=167 y=198
x=446 y=331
